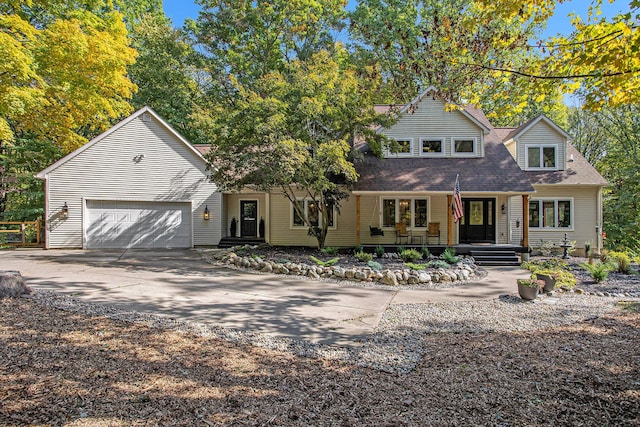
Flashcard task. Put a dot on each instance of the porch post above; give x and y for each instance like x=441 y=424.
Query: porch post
x=525 y=220
x=449 y=221
x=357 y=219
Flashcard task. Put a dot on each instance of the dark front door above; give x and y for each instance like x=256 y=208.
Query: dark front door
x=478 y=223
x=248 y=218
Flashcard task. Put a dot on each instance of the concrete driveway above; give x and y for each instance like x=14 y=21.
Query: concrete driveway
x=178 y=284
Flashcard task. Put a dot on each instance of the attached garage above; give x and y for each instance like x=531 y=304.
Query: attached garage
x=138 y=185
x=137 y=224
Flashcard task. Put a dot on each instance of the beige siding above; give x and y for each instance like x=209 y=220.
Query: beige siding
x=232 y=208
x=542 y=133
x=140 y=161
x=585 y=215
x=432 y=121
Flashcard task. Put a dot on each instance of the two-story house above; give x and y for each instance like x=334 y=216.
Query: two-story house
x=519 y=187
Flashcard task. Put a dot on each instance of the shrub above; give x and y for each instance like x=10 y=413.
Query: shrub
x=547 y=248
x=449 y=255
x=425 y=252
x=636 y=259
x=553 y=267
x=363 y=256
x=374 y=265
x=598 y=271
x=357 y=248
x=410 y=255
x=417 y=267
x=604 y=255
x=587 y=248
x=329 y=250
x=400 y=249
x=438 y=263
x=622 y=260
x=324 y=263
x=379 y=251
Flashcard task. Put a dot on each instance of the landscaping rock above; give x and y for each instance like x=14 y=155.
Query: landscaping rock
x=389 y=278
x=12 y=284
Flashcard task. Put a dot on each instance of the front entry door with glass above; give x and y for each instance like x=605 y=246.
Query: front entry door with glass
x=478 y=223
x=248 y=218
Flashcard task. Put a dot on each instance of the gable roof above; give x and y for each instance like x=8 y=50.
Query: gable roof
x=145 y=110
x=578 y=171
x=528 y=125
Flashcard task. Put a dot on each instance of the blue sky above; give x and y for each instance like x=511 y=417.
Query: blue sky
x=178 y=10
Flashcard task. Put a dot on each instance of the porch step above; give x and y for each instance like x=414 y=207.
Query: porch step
x=228 y=242
x=495 y=257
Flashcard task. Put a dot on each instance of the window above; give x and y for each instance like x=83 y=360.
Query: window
x=463 y=146
x=404 y=148
x=312 y=212
x=541 y=157
x=412 y=212
x=432 y=147
x=550 y=214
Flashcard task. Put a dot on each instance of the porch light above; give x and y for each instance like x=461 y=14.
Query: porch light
x=206 y=213
x=65 y=211
x=504 y=209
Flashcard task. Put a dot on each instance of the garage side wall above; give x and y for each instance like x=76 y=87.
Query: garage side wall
x=141 y=161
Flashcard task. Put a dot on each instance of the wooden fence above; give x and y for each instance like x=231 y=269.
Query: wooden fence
x=20 y=233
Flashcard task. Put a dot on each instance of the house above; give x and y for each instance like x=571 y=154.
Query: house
x=520 y=187
x=139 y=184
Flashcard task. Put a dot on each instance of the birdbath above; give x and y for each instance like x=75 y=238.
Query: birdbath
x=566 y=244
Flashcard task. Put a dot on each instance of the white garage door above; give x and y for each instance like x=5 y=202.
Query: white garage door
x=118 y=224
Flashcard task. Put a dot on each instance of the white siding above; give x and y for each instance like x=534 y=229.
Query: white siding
x=431 y=121
x=139 y=161
x=542 y=133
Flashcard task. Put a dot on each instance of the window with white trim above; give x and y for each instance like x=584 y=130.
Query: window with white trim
x=411 y=211
x=311 y=211
x=542 y=157
x=550 y=213
x=432 y=147
x=463 y=146
x=404 y=148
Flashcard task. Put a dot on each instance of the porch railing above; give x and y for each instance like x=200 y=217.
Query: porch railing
x=14 y=233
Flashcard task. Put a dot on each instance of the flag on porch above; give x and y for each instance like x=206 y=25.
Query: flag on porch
x=458 y=209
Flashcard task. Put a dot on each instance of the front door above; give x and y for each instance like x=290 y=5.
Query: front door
x=478 y=223
x=248 y=218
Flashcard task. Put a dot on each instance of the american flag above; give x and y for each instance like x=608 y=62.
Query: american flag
x=458 y=209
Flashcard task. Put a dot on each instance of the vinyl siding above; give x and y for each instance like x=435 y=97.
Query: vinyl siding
x=432 y=121
x=585 y=215
x=542 y=133
x=110 y=169
x=232 y=209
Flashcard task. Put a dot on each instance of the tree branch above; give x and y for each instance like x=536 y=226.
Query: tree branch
x=541 y=77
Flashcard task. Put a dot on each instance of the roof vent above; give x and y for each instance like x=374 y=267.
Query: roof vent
x=146 y=117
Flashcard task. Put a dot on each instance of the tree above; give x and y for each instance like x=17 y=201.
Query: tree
x=292 y=132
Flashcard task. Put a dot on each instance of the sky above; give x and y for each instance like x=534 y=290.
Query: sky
x=560 y=23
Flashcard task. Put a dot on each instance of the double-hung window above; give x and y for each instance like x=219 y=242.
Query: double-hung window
x=413 y=212
x=542 y=157
x=312 y=213
x=550 y=213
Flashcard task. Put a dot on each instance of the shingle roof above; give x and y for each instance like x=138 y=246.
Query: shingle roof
x=497 y=171
x=579 y=171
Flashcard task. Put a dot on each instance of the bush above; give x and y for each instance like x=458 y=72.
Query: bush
x=363 y=256
x=357 y=248
x=329 y=250
x=374 y=265
x=636 y=259
x=416 y=267
x=599 y=271
x=449 y=255
x=425 y=252
x=547 y=248
x=400 y=249
x=324 y=263
x=438 y=263
x=622 y=260
x=410 y=255
x=553 y=267
x=379 y=251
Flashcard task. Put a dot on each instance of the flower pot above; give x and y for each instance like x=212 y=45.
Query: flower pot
x=549 y=282
x=527 y=292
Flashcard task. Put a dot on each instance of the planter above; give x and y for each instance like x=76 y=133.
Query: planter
x=528 y=288
x=549 y=282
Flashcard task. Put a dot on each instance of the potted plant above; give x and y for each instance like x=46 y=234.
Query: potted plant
x=528 y=288
x=548 y=277
x=261 y=228
x=234 y=226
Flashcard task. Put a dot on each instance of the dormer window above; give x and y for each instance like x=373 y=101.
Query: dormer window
x=432 y=147
x=463 y=146
x=542 y=157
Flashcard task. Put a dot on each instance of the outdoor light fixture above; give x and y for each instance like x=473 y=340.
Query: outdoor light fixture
x=504 y=209
x=206 y=213
x=65 y=210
